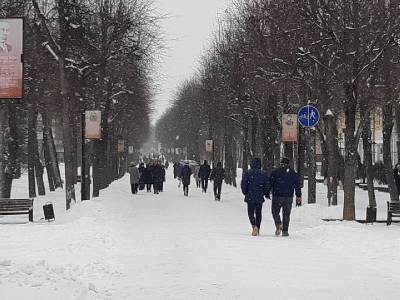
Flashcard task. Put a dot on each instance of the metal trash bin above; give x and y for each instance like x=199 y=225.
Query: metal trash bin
x=48 y=211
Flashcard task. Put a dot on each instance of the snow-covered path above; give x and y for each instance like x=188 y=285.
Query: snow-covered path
x=169 y=246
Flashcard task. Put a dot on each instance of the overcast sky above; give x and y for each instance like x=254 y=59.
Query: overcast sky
x=188 y=31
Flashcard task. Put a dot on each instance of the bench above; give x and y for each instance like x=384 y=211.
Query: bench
x=393 y=210
x=10 y=206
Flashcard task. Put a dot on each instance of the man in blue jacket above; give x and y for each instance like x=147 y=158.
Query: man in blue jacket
x=204 y=174
x=284 y=181
x=255 y=186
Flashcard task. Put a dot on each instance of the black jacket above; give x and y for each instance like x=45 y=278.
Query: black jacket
x=283 y=182
x=217 y=174
x=204 y=172
x=185 y=175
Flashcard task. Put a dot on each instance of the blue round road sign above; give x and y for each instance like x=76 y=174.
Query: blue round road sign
x=309 y=116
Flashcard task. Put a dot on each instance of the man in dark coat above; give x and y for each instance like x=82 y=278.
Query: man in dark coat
x=157 y=174
x=217 y=175
x=185 y=176
x=204 y=174
x=396 y=173
x=255 y=186
x=148 y=176
x=283 y=182
x=162 y=178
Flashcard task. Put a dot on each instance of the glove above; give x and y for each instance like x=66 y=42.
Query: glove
x=298 y=201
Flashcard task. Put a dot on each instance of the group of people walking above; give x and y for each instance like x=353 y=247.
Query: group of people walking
x=202 y=174
x=153 y=174
x=283 y=183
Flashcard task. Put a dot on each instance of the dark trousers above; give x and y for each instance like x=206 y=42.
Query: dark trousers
x=186 y=189
x=254 y=211
x=284 y=203
x=161 y=186
x=156 y=187
x=134 y=188
x=148 y=185
x=204 y=184
x=217 y=189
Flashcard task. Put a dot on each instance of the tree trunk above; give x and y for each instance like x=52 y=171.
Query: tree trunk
x=367 y=146
x=332 y=159
x=245 y=162
x=37 y=163
x=3 y=129
x=350 y=157
x=51 y=147
x=66 y=110
x=31 y=151
x=387 y=111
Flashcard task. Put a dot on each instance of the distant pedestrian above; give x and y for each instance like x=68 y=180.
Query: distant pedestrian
x=284 y=181
x=147 y=177
x=255 y=186
x=185 y=176
x=166 y=165
x=134 y=177
x=396 y=173
x=141 y=179
x=204 y=174
x=157 y=175
x=196 y=176
x=217 y=175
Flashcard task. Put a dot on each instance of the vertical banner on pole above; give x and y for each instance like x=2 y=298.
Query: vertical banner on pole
x=11 y=65
x=93 y=124
x=289 y=128
x=209 y=146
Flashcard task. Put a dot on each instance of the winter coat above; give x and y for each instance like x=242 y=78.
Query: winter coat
x=157 y=174
x=147 y=177
x=204 y=171
x=134 y=174
x=217 y=174
x=255 y=183
x=185 y=175
x=177 y=170
x=284 y=181
x=141 y=168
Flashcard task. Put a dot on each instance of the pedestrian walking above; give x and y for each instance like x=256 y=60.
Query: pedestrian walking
x=204 y=174
x=255 y=186
x=148 y=177
x=134 y=177
x=284 y=181
x=162 y=178
x=217 y=175
x=141 y=178
x=185 y=176
x=157 y=175
x=196 y=176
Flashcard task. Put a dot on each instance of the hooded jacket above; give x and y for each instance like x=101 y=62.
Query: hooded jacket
x=255 y=183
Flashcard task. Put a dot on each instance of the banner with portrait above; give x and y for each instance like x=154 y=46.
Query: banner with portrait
x=11 y=66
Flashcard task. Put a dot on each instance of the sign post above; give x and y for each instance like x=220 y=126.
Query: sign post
x=309 y=117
